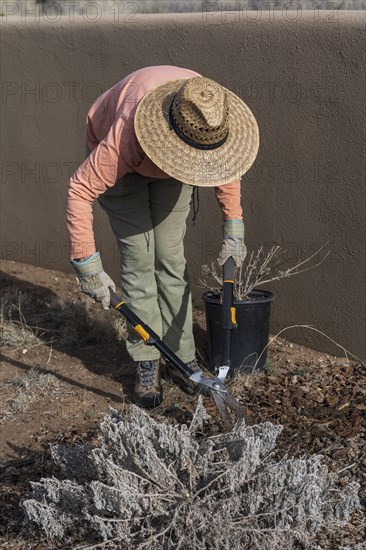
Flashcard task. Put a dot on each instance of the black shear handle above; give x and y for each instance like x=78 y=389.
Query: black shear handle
x=149 y=336
x=229 y=270
x=115 y=300
x=228 y=292
x=228 y=312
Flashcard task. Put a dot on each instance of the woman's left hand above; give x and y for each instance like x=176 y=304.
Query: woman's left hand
x=233 y=243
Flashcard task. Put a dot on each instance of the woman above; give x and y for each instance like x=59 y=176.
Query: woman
x=151 y=139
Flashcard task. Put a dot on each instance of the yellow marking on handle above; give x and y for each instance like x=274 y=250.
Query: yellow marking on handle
x=142 y=332
x=233 y=315
x=228 y=281
x=119 y=304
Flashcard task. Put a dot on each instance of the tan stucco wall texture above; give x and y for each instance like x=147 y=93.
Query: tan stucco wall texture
x=302 y=75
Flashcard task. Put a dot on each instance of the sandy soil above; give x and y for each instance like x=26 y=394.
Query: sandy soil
x=66 y=363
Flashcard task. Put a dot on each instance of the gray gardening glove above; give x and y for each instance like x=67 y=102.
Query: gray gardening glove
x=93 y=280
x=233 y=243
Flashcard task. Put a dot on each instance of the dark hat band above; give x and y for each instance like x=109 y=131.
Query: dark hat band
x=190 y=141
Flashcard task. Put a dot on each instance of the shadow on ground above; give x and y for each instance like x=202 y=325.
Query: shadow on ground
x=75 y=328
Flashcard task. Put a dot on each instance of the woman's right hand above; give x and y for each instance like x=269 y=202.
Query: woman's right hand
x=93 y=280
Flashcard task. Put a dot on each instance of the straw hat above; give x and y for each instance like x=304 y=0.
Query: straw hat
x=197 y=131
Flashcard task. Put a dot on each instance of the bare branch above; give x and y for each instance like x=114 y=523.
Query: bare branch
x=258 y=269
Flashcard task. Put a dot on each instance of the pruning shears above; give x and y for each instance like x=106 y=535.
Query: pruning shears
x=214 y=385
x=228 y=324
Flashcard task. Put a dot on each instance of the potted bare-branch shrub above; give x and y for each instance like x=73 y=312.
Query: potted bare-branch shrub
x=249 y=340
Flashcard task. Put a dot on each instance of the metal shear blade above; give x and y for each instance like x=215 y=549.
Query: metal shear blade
x=227 y=404
x=222 y=372
x=235 y=407
x=221 y=407
x=223 y=399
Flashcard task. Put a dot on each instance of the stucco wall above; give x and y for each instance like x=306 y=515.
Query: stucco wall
x=302 y=75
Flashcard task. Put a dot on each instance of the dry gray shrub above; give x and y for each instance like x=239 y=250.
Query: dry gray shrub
x=36 y=379
x=26 y=320
x=30 y=389
x=15 y=332
x=82 y=324
x=157 y=486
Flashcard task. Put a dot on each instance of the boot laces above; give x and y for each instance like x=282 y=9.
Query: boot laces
x=146 y=370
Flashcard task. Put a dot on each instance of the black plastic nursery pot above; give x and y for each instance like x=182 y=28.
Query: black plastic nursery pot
x=249 y=339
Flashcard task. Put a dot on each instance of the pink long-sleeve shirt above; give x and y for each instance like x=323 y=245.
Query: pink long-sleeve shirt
x=116 y=151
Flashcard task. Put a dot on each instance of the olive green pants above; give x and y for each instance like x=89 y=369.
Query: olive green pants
x=148 y=217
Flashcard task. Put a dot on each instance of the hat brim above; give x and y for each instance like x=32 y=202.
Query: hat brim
x=206 y=168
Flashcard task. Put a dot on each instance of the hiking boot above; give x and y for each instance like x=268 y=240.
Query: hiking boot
x=187 y=385
x=148 y=390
